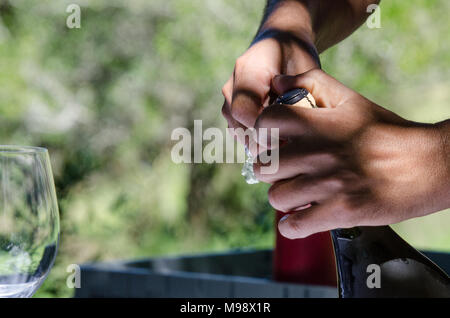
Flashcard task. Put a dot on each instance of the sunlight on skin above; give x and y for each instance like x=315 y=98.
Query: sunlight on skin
x=378 y=156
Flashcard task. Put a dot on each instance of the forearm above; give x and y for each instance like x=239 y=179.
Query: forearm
x=288 y=16
x=424 y=165
x=444 y=131
x=444 y=134
x=322 y=23
x=334 y=20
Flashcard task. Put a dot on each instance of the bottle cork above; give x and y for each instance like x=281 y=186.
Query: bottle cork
x=297 y=97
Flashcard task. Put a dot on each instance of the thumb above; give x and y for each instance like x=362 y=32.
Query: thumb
x=283 y=83
x=327 y=91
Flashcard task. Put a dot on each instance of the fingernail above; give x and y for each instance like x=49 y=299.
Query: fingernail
x=278 y=76
x=276 y=83
x=303 y=207
x=284 y=218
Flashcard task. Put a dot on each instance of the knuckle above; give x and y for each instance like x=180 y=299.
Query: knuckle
x=241 y=113
x=347 y=179
x=291 y=228
x=240 y=62
x=276 y=198
x=332 y=157
x=326 y=157
x=311 y=77
x=315 y=73
x=263 y=177
x=236 y=112
x=225 y=90
x=335 y=182
x=346 y=216
x=272 y=196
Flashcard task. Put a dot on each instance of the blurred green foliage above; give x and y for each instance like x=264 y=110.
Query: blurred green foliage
x=104 y=99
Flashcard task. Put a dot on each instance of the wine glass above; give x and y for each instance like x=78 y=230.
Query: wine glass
x=29 y=220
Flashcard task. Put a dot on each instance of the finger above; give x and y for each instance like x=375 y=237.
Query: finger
x=256 y=148
x=292 y=121
x=295 y=158
x=318 y=218
x=233 y=124
x=291 y=194
x=227 y=90
x=236 y=129
x=327 y=91
x=246 y=136
x=227 y=115
x=250 y=91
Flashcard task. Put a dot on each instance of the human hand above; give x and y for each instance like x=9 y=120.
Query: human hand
x=291 y=35
x=247 y=91
x=356 y=162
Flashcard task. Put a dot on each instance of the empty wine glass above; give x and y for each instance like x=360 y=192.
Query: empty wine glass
x=29 y=220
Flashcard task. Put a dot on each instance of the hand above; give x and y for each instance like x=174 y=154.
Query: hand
x=247 y=91
x=354 y=161
x=286 y=43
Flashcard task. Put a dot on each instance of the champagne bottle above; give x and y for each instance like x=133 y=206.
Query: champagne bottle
x=375 y=261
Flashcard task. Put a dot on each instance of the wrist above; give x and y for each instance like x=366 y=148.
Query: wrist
x=443 y=128
x=299 y=54
x=443 y=131
x=437 y=160
x=291 y=17
x=289 y=23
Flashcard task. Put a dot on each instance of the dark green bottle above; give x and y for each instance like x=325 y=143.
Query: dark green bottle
x=376 y=262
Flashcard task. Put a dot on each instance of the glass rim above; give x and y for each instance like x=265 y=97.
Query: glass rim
x=21 y=149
